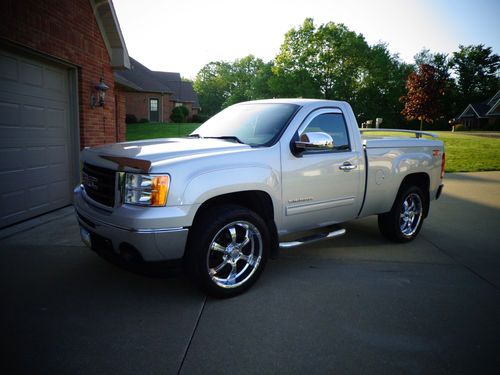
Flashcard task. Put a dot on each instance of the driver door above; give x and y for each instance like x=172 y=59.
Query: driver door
x=322 y=187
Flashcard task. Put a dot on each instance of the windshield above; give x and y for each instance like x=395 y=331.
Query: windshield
x=255 y=124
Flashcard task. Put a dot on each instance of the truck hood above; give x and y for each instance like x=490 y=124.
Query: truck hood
x=141 y=155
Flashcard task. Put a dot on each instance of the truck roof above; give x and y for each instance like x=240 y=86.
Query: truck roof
x=300 y=101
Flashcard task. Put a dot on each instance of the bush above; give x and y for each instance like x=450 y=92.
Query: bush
x=460 y=128
x=493 y=127
x=179 y=114
x=130 y=118
x=143 y=120
x=200 y=118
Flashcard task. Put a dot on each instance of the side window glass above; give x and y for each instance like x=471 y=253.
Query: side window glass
x=334 y=125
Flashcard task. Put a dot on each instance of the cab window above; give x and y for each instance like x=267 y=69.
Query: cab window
x=334 y=125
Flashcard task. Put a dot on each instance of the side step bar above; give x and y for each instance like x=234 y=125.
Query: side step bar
x=313 y=238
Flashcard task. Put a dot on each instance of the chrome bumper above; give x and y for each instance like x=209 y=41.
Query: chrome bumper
x=155 y=244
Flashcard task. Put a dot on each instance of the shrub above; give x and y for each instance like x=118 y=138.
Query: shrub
x=460 y=128
x=179 y=114
x=143 y=120
x=200 y=118
x=130 y=118
x=495 y=126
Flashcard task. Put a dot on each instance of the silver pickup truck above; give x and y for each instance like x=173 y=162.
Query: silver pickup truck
x=223 y=198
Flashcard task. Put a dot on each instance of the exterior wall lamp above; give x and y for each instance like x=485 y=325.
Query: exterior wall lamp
x=98 y=96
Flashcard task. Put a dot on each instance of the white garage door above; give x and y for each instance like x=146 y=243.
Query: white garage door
x=35 y=138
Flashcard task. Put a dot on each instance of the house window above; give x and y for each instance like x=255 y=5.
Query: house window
x=178 y=104
x=153 y=105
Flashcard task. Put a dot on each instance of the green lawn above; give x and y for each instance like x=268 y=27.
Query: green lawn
x=158 y=130
x=470 y=153
x=464 y=152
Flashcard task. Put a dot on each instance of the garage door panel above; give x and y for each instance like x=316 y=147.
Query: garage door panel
x=35 y=153
x=56 y=118
x=11 y=159
x=12 y=205
x=8 y=68
x=38 y=197
x=31 y=74
x=57 y=171
x=56 y=81
x=57 y=154
x=58 y=191
x=10 y=114
x=33 y=116
x=35 y=157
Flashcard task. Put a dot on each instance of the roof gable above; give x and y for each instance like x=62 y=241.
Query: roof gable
x=140 y=78
x=495 y=99
x=107 y=21
x=478 y=110
x=495 y=109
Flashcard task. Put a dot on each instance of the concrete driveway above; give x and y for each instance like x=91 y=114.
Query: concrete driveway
x=353 y=305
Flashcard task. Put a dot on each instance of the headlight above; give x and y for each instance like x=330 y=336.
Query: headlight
x=146 y=190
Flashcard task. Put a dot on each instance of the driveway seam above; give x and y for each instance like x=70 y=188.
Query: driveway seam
x=471 y=270
x=192 y=335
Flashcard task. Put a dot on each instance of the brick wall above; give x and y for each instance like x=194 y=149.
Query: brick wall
x=120 y=102
x=68 y=30
x=168 y=105
x=138 y=105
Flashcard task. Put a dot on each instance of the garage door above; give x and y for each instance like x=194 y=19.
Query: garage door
x=35 y=137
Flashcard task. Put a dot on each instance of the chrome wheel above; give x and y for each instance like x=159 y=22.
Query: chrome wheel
x=411 y=215
x=234 y=254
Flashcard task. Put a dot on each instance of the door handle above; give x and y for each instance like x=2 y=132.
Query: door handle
x=346 y=167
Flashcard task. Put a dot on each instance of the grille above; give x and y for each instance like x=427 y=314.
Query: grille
x=99 y=184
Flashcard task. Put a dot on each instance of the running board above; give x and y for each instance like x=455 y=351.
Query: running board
x=309 y=239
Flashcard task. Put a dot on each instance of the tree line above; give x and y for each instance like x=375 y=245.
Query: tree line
x=332 y=62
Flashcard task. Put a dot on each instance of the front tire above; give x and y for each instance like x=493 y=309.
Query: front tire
x=227 y=250
x=404 y=221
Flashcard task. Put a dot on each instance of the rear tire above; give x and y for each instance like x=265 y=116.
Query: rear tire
x=404 y=221
x=227 y=250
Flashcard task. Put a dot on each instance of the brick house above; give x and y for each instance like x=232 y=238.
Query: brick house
x=52 y=56
x=481 y=115
x=152 y=95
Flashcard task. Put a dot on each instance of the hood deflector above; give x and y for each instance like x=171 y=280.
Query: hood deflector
x=141 y=165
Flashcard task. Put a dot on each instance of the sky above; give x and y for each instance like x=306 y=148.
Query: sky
x=184 y=35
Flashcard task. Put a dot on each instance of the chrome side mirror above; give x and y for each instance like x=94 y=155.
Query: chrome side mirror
x=315 y=141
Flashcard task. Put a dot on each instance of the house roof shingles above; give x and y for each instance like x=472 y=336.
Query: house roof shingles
x=140 y=78
x=481 y=110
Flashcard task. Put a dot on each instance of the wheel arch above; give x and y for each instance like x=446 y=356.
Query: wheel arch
x=256 y=200
x=422 y=181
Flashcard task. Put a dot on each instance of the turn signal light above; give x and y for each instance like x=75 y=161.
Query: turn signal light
x=159 y=190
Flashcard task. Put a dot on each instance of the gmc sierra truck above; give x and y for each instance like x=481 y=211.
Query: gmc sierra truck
x=223 y=198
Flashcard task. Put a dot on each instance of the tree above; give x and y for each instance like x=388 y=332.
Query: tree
x=447 y=103
x=213 y=86
x=220 y=84
x=332 y=62
x=424 y=89
x=477 y=70
x=382 y=85
x=179 y=114
x=327 y=61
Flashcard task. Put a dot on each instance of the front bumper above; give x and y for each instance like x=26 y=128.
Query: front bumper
x=153 y=244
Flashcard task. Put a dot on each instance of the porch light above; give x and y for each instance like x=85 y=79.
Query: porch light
x=99 y=95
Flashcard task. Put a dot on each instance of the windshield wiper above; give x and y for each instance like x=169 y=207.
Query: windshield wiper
x=194 y=135
x=228 y=137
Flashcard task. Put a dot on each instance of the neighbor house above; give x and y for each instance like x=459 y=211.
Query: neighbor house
x=151 y=95
x=56 y=60
x=481 y=115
